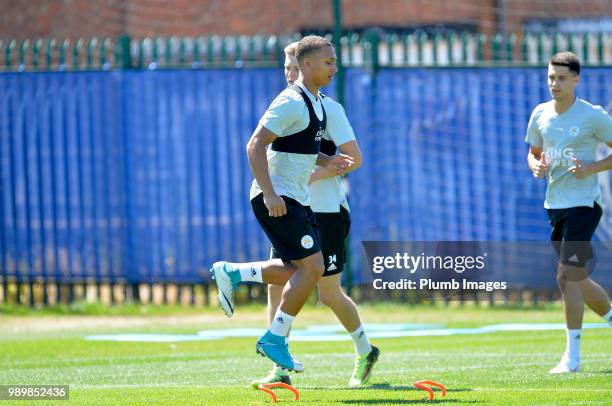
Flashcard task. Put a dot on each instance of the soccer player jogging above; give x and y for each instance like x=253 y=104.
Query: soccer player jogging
x=563 y=135
x=328 y=201
x=292 y=127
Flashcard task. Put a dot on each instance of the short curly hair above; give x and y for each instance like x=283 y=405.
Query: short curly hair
x=309 y=45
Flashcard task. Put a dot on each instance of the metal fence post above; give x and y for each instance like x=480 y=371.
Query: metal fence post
x=371 y=58
x=337 y=10
x=123 y=53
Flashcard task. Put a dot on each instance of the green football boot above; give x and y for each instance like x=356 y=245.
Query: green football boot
x=363 y=367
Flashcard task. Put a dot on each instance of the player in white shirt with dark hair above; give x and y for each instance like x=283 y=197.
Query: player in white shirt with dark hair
x=563 y=135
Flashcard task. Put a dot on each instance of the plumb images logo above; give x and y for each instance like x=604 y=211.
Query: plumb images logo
x=447 y=268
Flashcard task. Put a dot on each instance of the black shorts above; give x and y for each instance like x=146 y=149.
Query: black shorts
x=334 y=228
x=294 y=235
x=572 y=230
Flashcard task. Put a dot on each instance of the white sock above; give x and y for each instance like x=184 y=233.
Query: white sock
x=281 y=324
x=572 y=349
x=608 y=317
x=249 y=271
x=362 y=344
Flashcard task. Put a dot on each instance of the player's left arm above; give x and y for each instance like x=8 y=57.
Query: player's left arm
x=349 y=149
x=341 y=133
x=603 y=133
x=337 y=164
x=581 y=171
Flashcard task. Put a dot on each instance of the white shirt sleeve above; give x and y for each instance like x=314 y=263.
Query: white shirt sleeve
x=283 y=113
x=534 y=137
x=603 y=126
x=339 y=129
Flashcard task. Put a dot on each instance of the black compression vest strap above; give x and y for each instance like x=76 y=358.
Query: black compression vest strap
x=328 y=147
x=307 y=141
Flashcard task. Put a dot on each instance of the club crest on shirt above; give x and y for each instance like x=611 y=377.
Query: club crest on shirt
x=574 y=131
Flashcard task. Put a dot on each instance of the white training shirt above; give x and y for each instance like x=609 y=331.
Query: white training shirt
x=289 y=172
x=574 y=133
x=327 y=195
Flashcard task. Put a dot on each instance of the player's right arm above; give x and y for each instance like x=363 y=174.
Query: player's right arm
x=258 y=161
x=535 y=157
x=537 y=162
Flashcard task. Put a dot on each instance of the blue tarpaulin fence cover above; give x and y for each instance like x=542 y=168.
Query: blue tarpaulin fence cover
x=142 y=175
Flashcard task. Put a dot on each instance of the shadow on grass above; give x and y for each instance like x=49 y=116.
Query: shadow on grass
x=386 y=386
x=406 y=401
x=417 y=395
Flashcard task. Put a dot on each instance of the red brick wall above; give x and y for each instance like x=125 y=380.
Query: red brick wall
x=519 y=10
x=61 y=18
x=139 y=18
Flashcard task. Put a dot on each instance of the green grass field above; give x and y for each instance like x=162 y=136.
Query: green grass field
x=506 y=368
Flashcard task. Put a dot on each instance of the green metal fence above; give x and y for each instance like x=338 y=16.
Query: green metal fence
x=371 y=49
